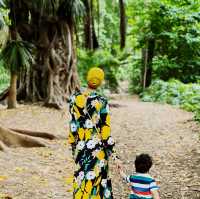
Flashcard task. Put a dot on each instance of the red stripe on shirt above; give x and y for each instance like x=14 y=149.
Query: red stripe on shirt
x=143 y=193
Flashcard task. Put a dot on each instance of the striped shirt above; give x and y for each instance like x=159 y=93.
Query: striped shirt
x=141 y=186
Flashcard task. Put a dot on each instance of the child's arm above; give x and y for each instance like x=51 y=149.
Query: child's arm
x=122 y=173
x=154 y=190
x=120 y=169
x=155 y=194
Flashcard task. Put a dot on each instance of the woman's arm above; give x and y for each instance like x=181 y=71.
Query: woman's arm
x=105 y=130
x=73 y=128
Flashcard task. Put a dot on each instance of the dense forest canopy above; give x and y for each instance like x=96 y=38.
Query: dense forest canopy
x=134 y=40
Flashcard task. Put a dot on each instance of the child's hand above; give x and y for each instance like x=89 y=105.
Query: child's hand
x=119 y=164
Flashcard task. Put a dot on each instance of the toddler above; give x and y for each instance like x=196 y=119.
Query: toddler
x=143 y=186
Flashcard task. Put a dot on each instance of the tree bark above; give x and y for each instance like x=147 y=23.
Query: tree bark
x=12 y=96
x=9 y=138
x=91 y=41
x=122 y=24
x=144 y=67
x=151 y=47
x=147 y=59
x=53 y=76
x=35 y=134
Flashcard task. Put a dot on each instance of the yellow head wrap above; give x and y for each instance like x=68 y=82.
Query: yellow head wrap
x=95 y=77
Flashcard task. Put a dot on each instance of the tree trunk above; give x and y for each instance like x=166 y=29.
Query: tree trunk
x=151 y=47
x=144 y=68
x=122 y=24
x=53 y=77
x=12 y=96
x=147 y=59
x=91 y=41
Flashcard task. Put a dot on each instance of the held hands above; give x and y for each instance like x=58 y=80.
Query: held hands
x=119 y=167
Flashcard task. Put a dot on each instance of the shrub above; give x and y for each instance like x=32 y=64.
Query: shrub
x=186 y=96
x=103 y=59
x=135 y=77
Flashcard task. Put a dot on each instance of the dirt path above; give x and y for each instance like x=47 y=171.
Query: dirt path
x=164 y=132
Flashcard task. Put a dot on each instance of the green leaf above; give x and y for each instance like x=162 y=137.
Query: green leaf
x=17 y=55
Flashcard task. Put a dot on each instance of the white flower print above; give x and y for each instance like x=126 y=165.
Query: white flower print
x=73 y=127
x=79 y=181
x=85 y=111
x=80 y=145
x=81 y=175
x=91 y=144
x=72 y=98
x=111 y=141
x=104 y=182
x=88 y=124
x=107 y=193
x=90 y=175
x=102 y=163
x=94 y=153
x=94 y=102
x=95 y=118
x=107 y=108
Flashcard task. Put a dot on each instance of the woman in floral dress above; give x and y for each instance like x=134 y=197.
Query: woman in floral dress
x=90 y=139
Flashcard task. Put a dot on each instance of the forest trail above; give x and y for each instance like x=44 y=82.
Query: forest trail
x=165 y=132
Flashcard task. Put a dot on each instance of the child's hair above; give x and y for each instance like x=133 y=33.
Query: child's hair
x=143 y=163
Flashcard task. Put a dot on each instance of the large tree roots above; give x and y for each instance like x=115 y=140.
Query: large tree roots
x=22 y=138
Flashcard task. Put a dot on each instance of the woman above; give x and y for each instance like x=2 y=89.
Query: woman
x=90 y=139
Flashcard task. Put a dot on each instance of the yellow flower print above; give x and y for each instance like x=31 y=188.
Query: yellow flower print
x=81 y=133
x=88 y=186
x=71 y=139
x=77 y=113
x=97 y=171
x=88 y=134
x=105 y=132
x=86 y=195
x=95 y=118
x=80 y=101
x=98 y=181
x=83 y=185
x=98 y=106
x=96 y=197
x=101 y=155
x=108 y=120
x=78 y=194
x=98 y=187
x=75 y=185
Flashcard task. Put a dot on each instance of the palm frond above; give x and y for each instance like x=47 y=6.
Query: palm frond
x=1 y=3
x=17 y=55
x=46 y=7
x=71 y=9
x=2 y=23
x=4 y=4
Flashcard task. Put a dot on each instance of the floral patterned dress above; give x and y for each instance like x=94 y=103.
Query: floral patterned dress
x=91 y=144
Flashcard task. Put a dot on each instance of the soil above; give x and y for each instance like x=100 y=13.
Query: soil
x=167 y=133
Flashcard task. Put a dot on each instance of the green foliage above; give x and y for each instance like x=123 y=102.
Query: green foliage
x=1 y=21
x=17 y=55
x=186 y=96
x=175 y=27
x=135 y=77
x=107 y=23
x=71 y=9
x=4 y=78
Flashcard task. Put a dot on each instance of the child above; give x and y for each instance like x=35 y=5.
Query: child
x=143 y=186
